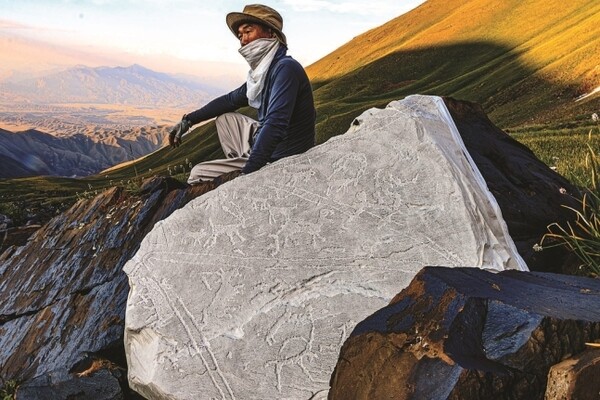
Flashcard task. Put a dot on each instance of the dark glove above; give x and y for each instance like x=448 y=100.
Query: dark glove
x=178 y=131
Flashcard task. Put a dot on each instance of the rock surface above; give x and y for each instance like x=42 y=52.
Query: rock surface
x=104 y=384
x=250 y=290
x=47 y=331
x=575 y=378
x=63 y=294
x=531 y=195
x=465 y=333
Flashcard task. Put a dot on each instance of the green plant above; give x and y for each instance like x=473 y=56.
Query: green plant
x=8 y=390
x=582 y=236
x=14 y=210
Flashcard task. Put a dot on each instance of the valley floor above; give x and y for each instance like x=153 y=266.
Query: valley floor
x=90 y=119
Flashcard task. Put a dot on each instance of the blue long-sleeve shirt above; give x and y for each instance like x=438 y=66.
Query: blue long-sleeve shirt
x=286 y=116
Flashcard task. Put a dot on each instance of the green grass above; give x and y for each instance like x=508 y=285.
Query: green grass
x=580 y=236
x=522 y=65
x=563 y=147
x=8 y=390
x=574 y=152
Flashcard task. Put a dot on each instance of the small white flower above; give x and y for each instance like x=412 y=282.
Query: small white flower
x=595 y=117
x=562 y=190
x=537 y=247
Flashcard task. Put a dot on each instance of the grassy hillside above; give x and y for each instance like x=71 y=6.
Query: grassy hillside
x=525 y=62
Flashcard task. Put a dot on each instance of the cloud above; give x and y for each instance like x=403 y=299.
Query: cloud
x=144 y=3
x=18 y=28
x=12 y=25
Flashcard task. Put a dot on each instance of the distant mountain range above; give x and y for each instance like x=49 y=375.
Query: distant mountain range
x=33 y=153
x=88 y=140
x=133 y=85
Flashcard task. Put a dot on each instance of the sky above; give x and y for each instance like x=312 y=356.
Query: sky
x=187 y=36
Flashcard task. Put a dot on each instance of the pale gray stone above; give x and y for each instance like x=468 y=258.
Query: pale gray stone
x=250 y=290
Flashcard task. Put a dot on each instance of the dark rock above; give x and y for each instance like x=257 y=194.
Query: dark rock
x=465 y=333
x=63 y=294
x=104 y=384
x=575 y=378
x=156 y=183
x=531 y=195
x=16 y=236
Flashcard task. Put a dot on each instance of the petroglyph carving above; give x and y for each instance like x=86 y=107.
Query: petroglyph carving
x=261 y=280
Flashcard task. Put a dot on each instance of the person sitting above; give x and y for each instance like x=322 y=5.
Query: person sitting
x=277 y=86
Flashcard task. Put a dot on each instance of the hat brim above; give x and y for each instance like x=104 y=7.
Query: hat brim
x=235 y=19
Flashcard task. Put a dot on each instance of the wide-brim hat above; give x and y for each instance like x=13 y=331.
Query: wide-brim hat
x=260 y=14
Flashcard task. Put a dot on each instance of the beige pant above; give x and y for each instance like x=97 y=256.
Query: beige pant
x=235 y=131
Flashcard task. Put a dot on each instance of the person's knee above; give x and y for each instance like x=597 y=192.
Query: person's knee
x=198 y=175
x=224 y=118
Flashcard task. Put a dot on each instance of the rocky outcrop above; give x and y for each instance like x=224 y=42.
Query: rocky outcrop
x=63 y=294
x=465 y=333
x=250 y=290
x=530 y=194
x=575 y=377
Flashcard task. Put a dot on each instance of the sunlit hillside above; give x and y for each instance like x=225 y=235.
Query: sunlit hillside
x=524 y=61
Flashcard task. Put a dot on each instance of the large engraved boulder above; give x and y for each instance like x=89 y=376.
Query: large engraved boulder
x=249 y=291
x=468 y=334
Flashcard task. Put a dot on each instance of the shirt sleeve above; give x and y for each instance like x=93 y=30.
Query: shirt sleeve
x=281 y=103
x=221 y=105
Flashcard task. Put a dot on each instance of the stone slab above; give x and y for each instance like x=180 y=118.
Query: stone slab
x=468 y=334
x=575 y=378
x=249 y=291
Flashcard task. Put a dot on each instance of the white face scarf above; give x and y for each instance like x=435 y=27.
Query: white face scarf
x=259 y=54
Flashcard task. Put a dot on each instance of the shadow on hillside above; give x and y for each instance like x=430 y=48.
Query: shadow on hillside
x=494 y=76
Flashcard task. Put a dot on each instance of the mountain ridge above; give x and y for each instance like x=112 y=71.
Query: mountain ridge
x=423 y=27
x=132 y=85
x=522 y=63
x=34 y=153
